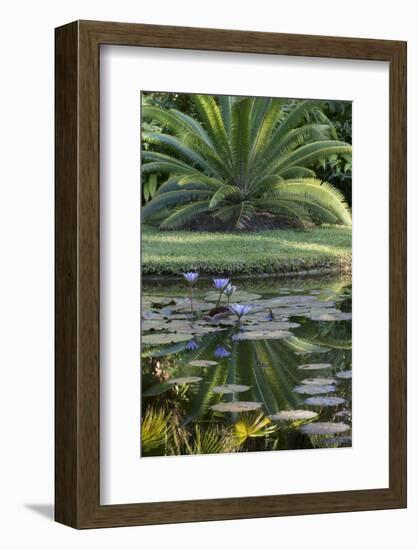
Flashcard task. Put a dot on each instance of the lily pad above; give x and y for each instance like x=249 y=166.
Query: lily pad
x=231 y=388
x=345 y=412
x=318 y=381
x=262 y=335
x=236 y=406
x=322 y=401
x=184 y=380
x=152 y=324
x=202 y=363
x=336 y=316
x=150 y=315
x=238 y=296
x=324 y=428
x=164 y=338
x=149 y=301
x=183 y=304
x=188 y=328
x=344 y=374
x=314 y=389
x=290 y=416
x=324 y=307
x=283 y=301
x=315 y=366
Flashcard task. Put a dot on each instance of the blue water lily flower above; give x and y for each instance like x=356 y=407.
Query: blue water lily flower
x=240 y=309
x=191 y=345
x=230 y=290
x=235 y=336
x=191 y=277
x=221 y=284
x=221 y=351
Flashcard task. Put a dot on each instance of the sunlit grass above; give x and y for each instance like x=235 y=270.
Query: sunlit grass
x=245 y=252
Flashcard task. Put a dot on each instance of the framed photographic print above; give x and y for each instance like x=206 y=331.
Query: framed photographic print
x=230 y=274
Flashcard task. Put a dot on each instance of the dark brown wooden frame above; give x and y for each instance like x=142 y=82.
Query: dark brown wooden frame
x=77 y=372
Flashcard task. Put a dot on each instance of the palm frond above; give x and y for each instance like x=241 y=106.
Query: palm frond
x=296 y=117
x=192 y=126
x=225 y=192
x=252 y=425
x=240 y=139
x=184 y=214
x=166 y=141
x=245 y=214
x=217 y=166
x=297 y=172
x=266 y=126
x=154 y=430
x=226 y=104
x=309 y=154
x=159 y=162
x=316 y=196
x=211 y=116
x=202 y=180
x=243 y=156
x=172 y=199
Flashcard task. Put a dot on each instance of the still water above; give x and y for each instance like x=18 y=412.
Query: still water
x=276 y=375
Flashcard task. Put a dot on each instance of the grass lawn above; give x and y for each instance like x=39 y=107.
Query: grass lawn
x=273 y=251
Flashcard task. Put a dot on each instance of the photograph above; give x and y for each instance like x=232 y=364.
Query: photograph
x=209 y=275
x=246 y=264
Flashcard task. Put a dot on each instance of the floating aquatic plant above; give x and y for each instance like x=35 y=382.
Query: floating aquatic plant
x=191 y=277
x=344 y=374
x=314 y=389
x=229 y=291
x=221 y=351
x=202 y=363
x=220 y=285
x=318 y=381
x=184 y=380
x=192 y=345
x=324 y=428
x=315 y=366
x=236 y=406
x=231 y=388
x=240 y=310
x=290 y=416
x=322 y=401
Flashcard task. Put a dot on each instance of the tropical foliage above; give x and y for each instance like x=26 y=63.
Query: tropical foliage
x=238 y=158
x=154 y=430
x=252 y=425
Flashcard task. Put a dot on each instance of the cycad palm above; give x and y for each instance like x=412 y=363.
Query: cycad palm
x=244 y=156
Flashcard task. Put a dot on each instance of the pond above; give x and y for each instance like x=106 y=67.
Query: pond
x=221 y=377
